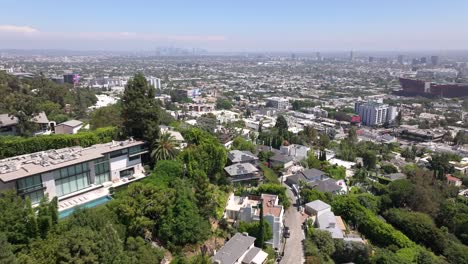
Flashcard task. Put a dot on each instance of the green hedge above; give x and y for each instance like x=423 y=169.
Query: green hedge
x=14 y=146
x=369 y=224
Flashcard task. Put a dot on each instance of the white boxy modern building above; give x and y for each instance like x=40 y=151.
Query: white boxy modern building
x=69 y=172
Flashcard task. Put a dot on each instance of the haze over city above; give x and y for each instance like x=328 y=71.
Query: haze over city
x=233 y=26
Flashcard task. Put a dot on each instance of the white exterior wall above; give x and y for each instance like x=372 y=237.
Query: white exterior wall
x=323 y=211
x=276 y=224
x=48 y=181
x=120 y=163
x=60 y=129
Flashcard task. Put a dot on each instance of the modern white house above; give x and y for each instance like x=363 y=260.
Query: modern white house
x=69 y=172
x=325 y=219
x=247 y=209
x=68 y=127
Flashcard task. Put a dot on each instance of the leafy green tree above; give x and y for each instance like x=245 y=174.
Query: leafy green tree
x=207 y=122
x=324 y=242
x=108 y=116
x=440 y=165
x=346 y=151
x=138 y=251
x=460 y=138
x=140 y=109
x=313 y=162
x=241 y=144
x=204 y=153
x=281 y=124
x=183 y=224
x=164 y=148
x=6 y=252
x=389 y=168
x=335 y=172
x=265 y=155
x=419 y=227
x=17 y=220
x=369 y=159
x=25 y=108
x=222 y=103
x=312 y=194
x=141 y=207
x=254 y=229
x=400 y=192
x=350 y=251
x=324 y=141
x=352 y=135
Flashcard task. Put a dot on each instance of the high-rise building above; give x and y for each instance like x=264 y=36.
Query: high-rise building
x=423 y=60
x=400 y=59
x=319 y=56
x=371 y=59
x=351 y=55
x=71 y=78
x=278 y=103
x=156 y=82
x=374 y=114
x=434 y=60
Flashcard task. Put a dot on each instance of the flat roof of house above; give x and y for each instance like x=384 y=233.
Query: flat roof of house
x=71 y=123
x=269 y=205
x=240 y=169
x=240 y=156
x=18 y=167
x=318 y=205
x=237 y=246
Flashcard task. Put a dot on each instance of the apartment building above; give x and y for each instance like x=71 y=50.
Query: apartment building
x=374 y=114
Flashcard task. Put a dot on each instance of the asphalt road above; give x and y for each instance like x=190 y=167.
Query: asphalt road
x=293 y=251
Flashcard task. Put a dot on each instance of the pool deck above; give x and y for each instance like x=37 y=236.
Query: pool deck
x=95 y=192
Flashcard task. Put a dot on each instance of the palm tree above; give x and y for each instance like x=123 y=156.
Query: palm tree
x=164 y=148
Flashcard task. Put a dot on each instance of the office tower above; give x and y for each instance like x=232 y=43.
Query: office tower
x=400 y=59
x=71 y=78
x=371 y=59
x=434 y=60
x=318 y=56
x=374 y=114
x=423 y=60
x=156 y=82
x=351 y=55
x=278 y=103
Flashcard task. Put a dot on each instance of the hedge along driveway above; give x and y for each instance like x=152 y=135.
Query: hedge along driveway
x=14 y=146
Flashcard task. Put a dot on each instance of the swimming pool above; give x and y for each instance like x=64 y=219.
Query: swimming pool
x=90 y=204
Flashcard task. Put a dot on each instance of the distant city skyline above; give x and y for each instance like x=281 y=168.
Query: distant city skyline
x=235 y=26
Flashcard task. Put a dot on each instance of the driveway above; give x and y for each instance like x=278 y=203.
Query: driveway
x=293 y=250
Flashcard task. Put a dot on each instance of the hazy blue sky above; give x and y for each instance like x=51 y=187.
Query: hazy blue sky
x=237 y=25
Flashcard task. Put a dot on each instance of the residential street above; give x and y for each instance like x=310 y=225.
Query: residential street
x=293 y=252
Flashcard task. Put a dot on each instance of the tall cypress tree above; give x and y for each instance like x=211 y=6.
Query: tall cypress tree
x=261 y=235
x=140 y=109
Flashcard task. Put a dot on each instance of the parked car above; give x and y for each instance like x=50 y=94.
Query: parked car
x=286 y=232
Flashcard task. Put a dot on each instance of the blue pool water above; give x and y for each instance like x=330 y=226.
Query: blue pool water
x=89 y=204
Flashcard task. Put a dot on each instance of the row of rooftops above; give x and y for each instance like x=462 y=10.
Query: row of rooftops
x=18 y=167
